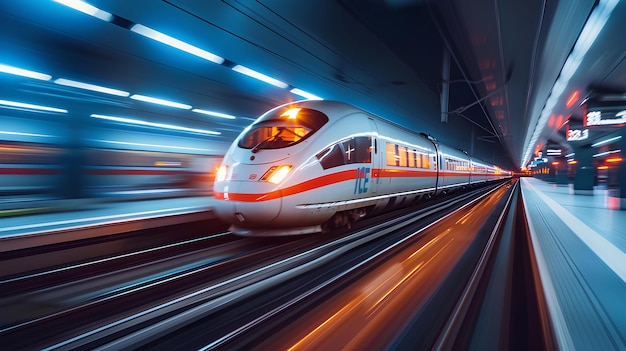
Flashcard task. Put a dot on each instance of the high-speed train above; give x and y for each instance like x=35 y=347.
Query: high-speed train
x=37 y=170
x=310 y=165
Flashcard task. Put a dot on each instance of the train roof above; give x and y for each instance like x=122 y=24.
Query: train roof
x=337 y=109
x=330 y=107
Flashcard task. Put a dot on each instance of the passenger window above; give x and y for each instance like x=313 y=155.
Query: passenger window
x=418 y=160
x=425 y=161
x=362 y=150
x=354 y=150
x=392 y=155
x=349 y=147
x=331 y=157
x=403 y=155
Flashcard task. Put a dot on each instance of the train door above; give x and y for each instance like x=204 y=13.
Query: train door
x=376 y=159
x=438 y=165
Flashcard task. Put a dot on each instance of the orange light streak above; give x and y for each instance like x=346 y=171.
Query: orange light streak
x=347 y=307
x=572 y=99
x=559 y=121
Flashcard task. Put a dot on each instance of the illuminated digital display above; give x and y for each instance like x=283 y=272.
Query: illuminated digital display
x=577 y=134
x=604 y=118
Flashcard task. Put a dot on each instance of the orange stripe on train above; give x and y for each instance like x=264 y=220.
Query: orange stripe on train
x=319 y=182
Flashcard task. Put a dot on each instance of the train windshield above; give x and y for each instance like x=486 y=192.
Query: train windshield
x=283 y=128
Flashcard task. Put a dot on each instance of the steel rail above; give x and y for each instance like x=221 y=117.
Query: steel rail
x=445 y=341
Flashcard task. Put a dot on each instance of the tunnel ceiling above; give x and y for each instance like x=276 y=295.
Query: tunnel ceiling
x=383 y=56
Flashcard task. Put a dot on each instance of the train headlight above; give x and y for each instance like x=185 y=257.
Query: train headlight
x=221 y=174
x=292 y=113
x=276 y=174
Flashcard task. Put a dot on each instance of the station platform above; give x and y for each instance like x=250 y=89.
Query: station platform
x=579 y=244
x=66 y=220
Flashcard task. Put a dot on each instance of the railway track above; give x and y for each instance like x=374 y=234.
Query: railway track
x=138 y=306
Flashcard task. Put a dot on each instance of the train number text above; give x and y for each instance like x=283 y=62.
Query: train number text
x=362 y=178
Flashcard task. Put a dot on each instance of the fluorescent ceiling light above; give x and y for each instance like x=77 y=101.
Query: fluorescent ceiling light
x=305 y=94
x=211 y=113
x=157 y=125
x=75 y=84
x=148 y=145
x=31 y=106
x=160 y=101
x=173 y=42
x=25 y=134
x=87 y=9
x=606 y=141
x=254 y=74
x=570 y=155
x=24 y=73
x=607 y=153
x=592 y=28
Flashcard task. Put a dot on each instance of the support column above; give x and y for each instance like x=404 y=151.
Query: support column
x=73 y=160
x=620 y=203
x=585 y=171
x=445 y=87
x=560 y=176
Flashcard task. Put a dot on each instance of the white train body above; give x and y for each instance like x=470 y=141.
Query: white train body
x=304 y=164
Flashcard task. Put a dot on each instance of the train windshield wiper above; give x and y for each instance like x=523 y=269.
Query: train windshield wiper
x=256 y=147
x=268 y=140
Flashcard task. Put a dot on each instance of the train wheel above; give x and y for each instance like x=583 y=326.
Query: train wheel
x=344 y=219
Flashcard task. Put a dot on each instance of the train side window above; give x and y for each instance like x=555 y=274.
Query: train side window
x=425 y=161
x=412 y=158
x=358 y=150
x=418 y=159
x=362 y=150
x=392 y=155
x=353 y=150
x=403 y=156
x=396 y=150
x=331 y=157
x=349 y=148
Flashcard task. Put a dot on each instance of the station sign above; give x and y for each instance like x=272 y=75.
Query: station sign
x=576 y=134
x=605 y=119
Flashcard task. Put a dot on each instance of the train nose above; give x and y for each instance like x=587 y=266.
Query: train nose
x=244 y=205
